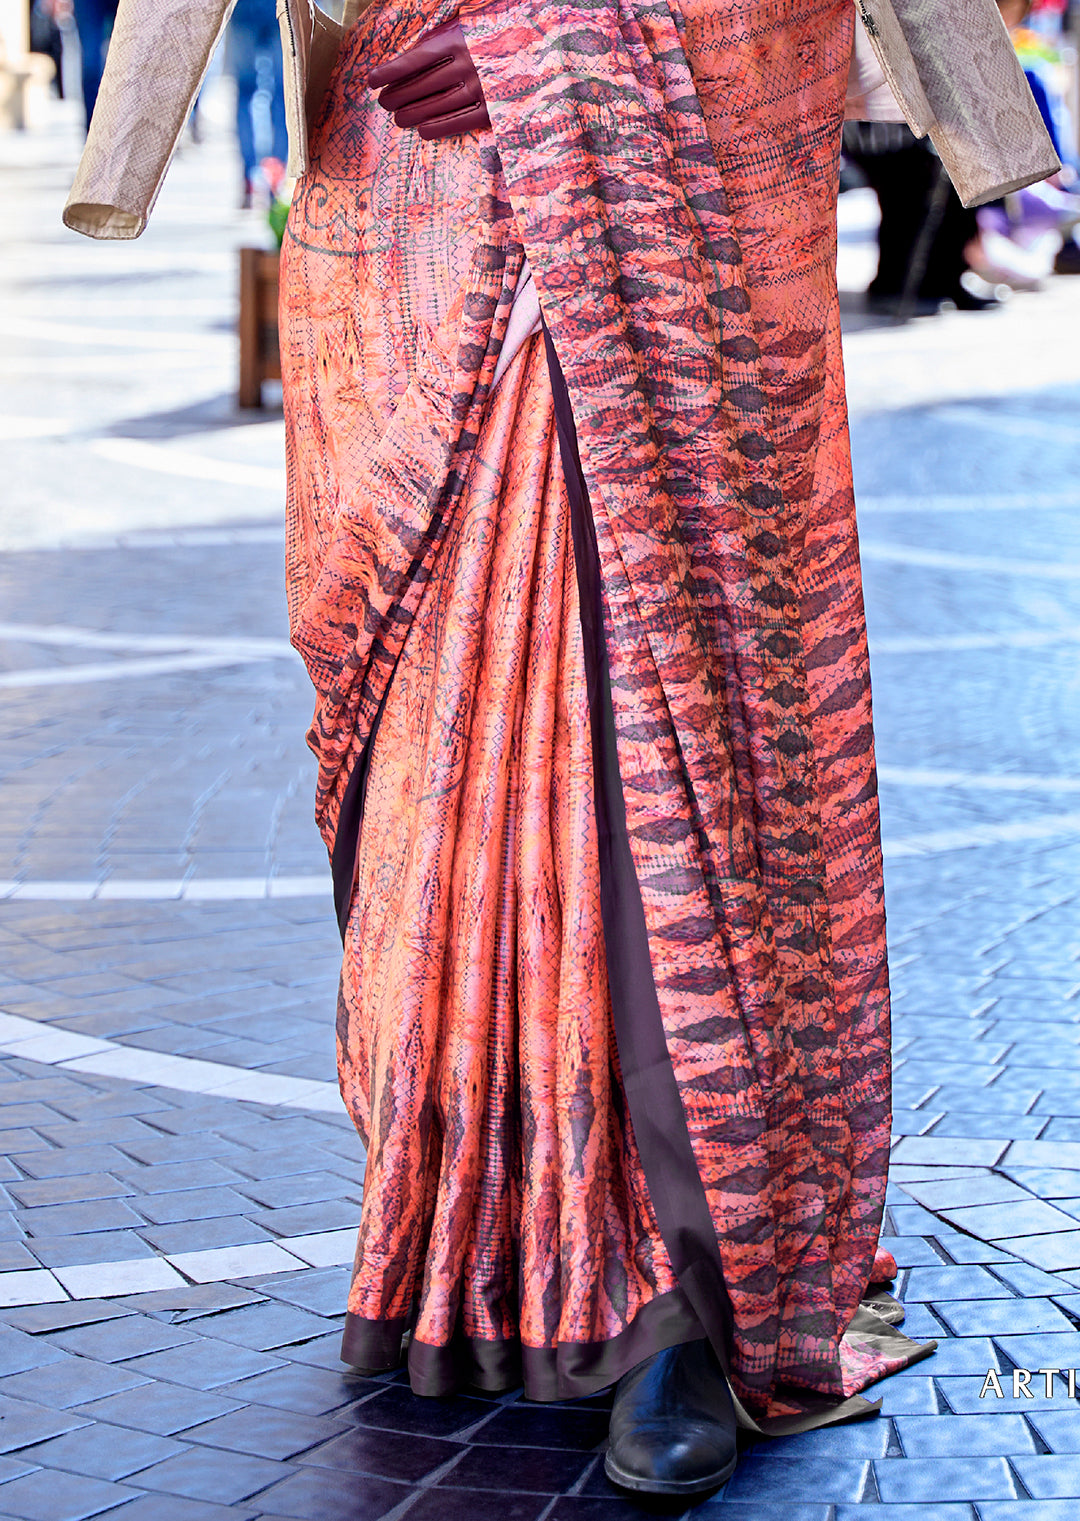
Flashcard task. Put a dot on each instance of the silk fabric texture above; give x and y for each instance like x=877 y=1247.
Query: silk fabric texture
x=671 y=178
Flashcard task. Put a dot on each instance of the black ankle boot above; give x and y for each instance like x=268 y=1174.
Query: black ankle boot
x=672 y=1424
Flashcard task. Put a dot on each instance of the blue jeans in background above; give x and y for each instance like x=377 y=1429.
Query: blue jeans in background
x=92 y=19
x=254 y=60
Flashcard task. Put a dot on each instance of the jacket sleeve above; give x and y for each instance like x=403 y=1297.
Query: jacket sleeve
x=158 y=57
x=955 y=74
x=869 y=95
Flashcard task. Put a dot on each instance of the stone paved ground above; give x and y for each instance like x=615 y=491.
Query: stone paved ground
x=179 y=1186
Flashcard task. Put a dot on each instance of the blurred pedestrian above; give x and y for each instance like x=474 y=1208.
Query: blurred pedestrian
x=1026 y=236
x=46 y=36
x=254 y=60
x=924 y=228
x=93 y=21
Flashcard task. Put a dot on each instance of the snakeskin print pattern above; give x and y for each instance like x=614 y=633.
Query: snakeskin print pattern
x=671 y=177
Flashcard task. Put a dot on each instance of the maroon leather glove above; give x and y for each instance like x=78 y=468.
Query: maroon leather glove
x=433 y=86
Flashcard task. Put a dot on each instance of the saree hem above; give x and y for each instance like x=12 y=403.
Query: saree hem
x=576 y=1370
x=569 y=1370
x=373 y=1345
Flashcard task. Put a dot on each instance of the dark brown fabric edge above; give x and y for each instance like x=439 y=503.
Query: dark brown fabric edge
x=656 y=1109
x=570 y=1370
x=346 y=847
x=372 y=1345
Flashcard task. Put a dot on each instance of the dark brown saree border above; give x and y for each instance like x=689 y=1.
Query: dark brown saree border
x=570 y=1370
x=346 y=848
x=656 y=1109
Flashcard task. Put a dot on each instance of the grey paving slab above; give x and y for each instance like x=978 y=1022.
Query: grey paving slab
x=337 y=1497
x=932 y=1480
x=40 y=1318
x=1020 y=1510
x=963 y=1354
x=102 y=1452
x=210 y=1475
x=1055 y=1251
x=1029 y=1217
x=267 y=1326
x=775 y=1482
x=18 y=1351
x=106 y=1246
x=308 y=1391
x=15 y=1258
x=79 y=1188
x=1042 y=1349
x=908 y=1396
x=191 y=1204
x=176 y=1149
x=947 y=1283
x=968 y=1152
x=959 y=1193
x=121 y=1131
x=267 y=1433
x=161 y=1408
x=961 y=1124
x=1027 y=1280
x=861 y=1439
x=203 y=1366
x=933 y=1436
x=204 y=1235
x=950 y=1511
x=283 y=1162
x=25 y=1423
x=60 y=1385
x=111 y=1341
x=179 y=1176
x=300 y=1188
x=51 y=1496
x=173 y=1508
x=967 y=1249
x=1050 y=1476
x=912 y=1251
x=1043 y=1154
x=192 y=1301
x=302 y=1219
x=989 y=1317
x=323 y=1292
x=71 y=1160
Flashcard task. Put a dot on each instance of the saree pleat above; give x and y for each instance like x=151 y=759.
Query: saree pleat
x=670 y=177
x=474 y=999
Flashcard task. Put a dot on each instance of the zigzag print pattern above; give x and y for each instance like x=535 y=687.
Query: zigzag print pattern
x=670 y=174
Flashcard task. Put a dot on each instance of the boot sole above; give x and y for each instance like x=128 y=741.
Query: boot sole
x=668 y=1486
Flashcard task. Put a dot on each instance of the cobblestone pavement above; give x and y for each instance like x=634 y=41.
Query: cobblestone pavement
x=179 y=1185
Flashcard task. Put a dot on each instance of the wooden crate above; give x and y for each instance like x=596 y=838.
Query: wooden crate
x=260 y=358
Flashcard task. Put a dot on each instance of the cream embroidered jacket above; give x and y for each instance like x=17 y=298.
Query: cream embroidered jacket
x=946 y=66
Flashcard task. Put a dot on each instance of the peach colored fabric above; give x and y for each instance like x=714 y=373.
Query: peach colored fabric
x=671 y=179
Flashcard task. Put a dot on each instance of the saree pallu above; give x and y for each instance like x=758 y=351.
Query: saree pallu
x=593 y=713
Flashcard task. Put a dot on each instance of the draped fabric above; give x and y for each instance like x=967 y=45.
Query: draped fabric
x=670 y=177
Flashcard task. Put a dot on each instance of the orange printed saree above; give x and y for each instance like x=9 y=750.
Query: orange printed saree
x=593 y=713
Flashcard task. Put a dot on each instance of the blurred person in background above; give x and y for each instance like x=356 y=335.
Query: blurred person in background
x=93 y=21
x=1026 y=236
x=924 y=230
x=254 y=60
x=46 y=34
